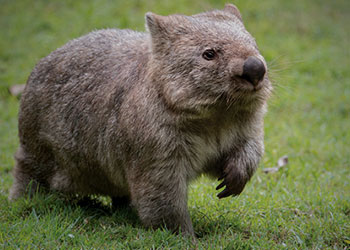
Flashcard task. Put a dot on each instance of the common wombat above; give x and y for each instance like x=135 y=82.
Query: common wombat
x=137 y=116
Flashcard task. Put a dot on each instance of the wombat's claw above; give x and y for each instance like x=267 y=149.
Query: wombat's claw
x=224 y=193
x=221 y=185
x=232 y=188
x=222 y=177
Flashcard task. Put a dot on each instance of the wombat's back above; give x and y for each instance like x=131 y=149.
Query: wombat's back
x=72 y=98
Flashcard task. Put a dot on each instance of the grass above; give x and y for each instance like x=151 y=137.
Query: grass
x=305 y=205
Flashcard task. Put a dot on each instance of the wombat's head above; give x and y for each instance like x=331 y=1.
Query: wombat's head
x=206 y=59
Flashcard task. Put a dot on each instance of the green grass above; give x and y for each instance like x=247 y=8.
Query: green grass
x=305 y=205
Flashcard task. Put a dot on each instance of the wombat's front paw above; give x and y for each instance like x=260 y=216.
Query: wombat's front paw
x=234 y=180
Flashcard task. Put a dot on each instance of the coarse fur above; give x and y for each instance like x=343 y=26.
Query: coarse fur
x=137 y=116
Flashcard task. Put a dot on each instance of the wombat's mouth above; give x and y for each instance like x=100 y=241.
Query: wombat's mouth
x=242 y=92
x=247 y=86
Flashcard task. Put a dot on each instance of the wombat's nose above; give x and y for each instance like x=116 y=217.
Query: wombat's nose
x=253 y=70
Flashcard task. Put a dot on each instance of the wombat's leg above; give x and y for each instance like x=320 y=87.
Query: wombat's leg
x=160 y=197
x=238 y=166
x=23 y=183
x=118 y=202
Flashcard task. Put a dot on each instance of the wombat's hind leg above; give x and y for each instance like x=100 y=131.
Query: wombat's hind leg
x=23 y=183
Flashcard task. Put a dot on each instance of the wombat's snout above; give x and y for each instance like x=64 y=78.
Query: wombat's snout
x=253 y=70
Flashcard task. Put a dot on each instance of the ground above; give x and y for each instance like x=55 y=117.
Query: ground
x=305 y=205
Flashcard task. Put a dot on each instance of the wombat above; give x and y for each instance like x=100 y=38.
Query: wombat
x=138 y=115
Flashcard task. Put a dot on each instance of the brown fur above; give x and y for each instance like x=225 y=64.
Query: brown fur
x=137 y=116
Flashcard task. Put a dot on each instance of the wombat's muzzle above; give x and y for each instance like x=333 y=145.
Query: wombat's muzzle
x=253 y=70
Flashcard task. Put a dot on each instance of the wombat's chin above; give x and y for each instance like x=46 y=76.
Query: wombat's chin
x=243 y=98
x=236 y=98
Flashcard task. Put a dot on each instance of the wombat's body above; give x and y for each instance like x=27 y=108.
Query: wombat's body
x=139 y=115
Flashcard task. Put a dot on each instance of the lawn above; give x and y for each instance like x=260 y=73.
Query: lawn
x=304 y=205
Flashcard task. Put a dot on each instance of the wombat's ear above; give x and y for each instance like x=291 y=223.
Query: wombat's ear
x=231 y=8
x=155 y=24
x=158 y=27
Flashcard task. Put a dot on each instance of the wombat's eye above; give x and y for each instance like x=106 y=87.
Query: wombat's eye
x=209 y=54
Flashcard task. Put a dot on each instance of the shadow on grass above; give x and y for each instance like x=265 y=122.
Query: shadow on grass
x=93 y=209
x=95 y=214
